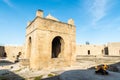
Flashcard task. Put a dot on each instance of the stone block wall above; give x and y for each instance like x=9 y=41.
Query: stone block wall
x=42 y=35
x=114 y=49
x=90 y=50
x=12 y=52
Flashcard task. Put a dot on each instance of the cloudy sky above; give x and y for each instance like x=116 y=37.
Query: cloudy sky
x=97 y=21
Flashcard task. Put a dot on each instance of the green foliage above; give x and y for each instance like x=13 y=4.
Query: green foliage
x=38 y=77
x=51 y=75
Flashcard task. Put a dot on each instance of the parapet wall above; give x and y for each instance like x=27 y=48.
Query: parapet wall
x=50 y=25
x=89 y=49
x=114 y=48
x=111 y=49
x=11 y=52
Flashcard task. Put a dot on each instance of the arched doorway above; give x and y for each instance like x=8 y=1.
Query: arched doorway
x=106 y=51
x=88 y=52
x=4 y=55
x=29 y=47
x=57 y=46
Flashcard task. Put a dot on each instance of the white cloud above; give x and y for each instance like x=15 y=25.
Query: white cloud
x=98 y=9
x=8 y=3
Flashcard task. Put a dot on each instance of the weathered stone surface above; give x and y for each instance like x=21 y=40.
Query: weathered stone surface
x=11 y=52
x=50 y=43
x=111 y=49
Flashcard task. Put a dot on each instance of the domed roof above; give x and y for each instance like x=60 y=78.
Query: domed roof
x=49 y=16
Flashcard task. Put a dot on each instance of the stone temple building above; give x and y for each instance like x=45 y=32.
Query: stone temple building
x=49 y=42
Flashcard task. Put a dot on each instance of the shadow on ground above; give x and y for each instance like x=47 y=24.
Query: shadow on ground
x=8 y=75
x=89 y=74
x=84 y=75
x=115 y=67
x=4 y=62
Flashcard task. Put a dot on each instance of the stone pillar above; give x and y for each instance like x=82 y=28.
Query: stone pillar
x=39 y=13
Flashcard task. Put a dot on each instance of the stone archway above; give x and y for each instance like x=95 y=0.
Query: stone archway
x=57 y=46
x=29 y=46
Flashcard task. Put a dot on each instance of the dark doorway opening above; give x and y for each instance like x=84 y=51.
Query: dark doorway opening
x=29 y=48
x=57 y=46
x=106 y=51
x=88 y=52
x=4 y=55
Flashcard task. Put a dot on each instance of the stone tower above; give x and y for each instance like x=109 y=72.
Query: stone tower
x=49 y=42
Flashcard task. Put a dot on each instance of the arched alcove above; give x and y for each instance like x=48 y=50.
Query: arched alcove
x=88 y=52
x=29 y=46
x=57 y=46
x=5 y=54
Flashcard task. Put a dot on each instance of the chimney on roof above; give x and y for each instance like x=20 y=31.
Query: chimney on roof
x=39 y=13
x=71 y=21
